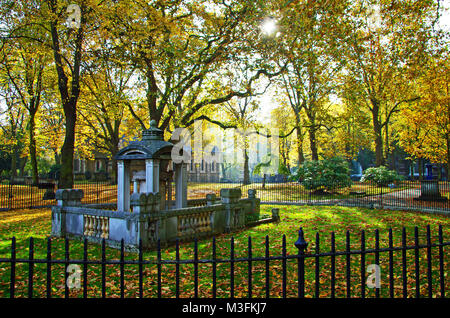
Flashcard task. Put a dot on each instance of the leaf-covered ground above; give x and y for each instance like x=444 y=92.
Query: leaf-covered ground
x=25 y=223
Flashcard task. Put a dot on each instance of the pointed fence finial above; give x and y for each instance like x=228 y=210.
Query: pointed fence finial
x=301 y=244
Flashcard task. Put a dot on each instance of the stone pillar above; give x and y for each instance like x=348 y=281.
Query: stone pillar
x=180 y=186
x=235 y=215
x=153 y=202
x=123 y=186
x=276 y=215
x=145 y=203
x=138 y=203
x=169 y=194
x=210 y=199
x=64 y=197
x=253 y=213
x=69 y=197
x=152 y=175
x=230 y=195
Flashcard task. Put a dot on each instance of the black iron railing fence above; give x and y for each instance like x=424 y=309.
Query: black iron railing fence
x=26 y=194
x=308 y=268
x=402 y=195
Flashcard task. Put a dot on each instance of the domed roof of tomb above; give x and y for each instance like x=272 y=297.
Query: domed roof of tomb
x=152 y=146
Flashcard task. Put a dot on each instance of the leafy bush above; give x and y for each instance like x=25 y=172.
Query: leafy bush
x=54 y=171
x=381 y=176
x=283 y=170
x=43 y=165
x=5 y=175
x=324 y=174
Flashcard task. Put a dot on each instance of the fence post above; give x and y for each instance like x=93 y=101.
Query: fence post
x=301 y=245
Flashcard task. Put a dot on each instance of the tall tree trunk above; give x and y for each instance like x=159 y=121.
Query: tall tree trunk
x=420 y=164
x=22 y=163
x=13 y=164
x=379 y=159
x=312 y=130
x=114 y=151
x=246 y=168
x=287 y=162
x=389 y=157
x=68 y=148
x=32 y=147
x=69 y=95
x=57 y=157
x=313 y=143
x=448 y=155
x=301 y=157
x=114 y=171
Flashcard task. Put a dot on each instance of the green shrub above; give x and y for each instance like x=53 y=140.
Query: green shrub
x=324 y=174
x=43 y=165
x=54 y=172
x=283 y=170
x=381 y=176
x=5 y=175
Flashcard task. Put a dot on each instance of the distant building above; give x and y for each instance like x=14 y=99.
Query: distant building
x=97 y=169
x=203 y=172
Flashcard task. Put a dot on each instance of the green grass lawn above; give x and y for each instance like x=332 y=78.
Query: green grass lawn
x=25 y=223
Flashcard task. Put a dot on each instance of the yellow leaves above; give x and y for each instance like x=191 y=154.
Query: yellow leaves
x=425 y=124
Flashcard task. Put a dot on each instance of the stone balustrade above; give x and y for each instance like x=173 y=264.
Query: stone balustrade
x=96 y=226
x=195 y=224
x=196 y=202
x=148 y=223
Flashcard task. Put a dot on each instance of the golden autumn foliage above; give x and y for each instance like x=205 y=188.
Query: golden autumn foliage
x=425 y=125
x=354 y=74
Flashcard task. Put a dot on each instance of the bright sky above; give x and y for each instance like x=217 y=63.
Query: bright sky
x=267 y=104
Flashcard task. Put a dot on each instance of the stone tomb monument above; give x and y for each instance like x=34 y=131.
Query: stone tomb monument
x=147 y=163
x=147 y=213
x=429 y=191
